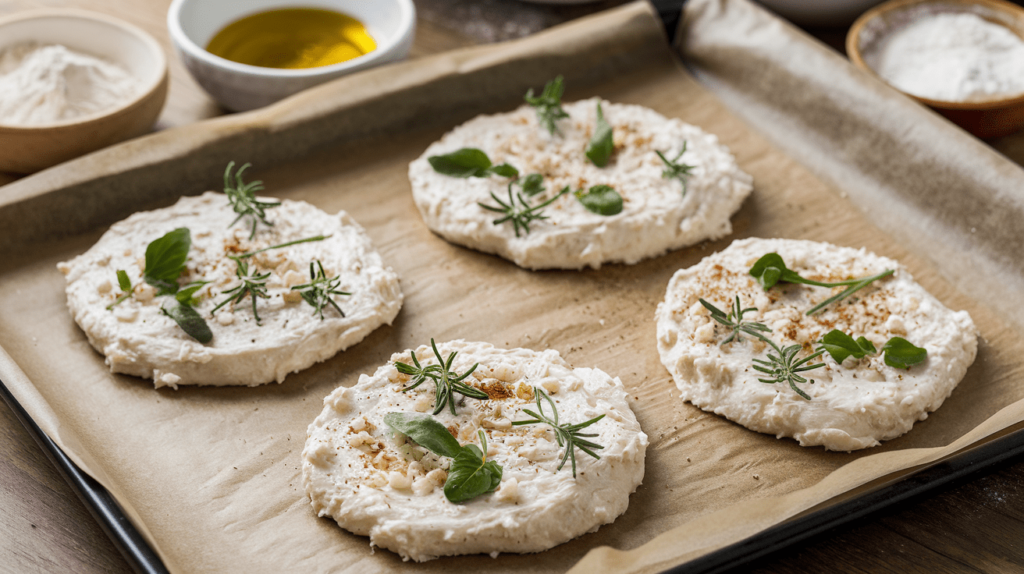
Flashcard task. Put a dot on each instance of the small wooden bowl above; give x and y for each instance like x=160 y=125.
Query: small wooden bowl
x=27 y=149
x=983 y=118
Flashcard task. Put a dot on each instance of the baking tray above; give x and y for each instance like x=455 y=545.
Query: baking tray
x=867 y=499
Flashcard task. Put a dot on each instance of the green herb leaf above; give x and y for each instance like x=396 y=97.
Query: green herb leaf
x=867 y=345
x=674 y=169
x=840 y=346
x=601 y=199
x=784 y=367
x=470 y=474
x=771 y=269
x=734 y=320
x=532 y=184
x=321 y=290
x=254 y=285
x=505 y=170
x=280 y=245
x=165 y=260
x=190 y=321
x=446 y=382
x=599 y=150
x=470 y=162
x=426 y=432
x=568 y=435
x=549 y=104
x=466 y=162
x=123 y=281
x=126 y=288
x=186 y=292
x=242 y=197
x=521 y=214
x=902 y=354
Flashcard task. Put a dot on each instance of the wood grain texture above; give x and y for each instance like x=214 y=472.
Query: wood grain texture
x=976 y=527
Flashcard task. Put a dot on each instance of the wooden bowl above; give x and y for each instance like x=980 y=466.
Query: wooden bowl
x=27 y=149
x=983 y=118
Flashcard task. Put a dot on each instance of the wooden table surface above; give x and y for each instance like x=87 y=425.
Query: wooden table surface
x=975 y=527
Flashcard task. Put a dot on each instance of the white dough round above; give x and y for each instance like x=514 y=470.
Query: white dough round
x=656 y=215
x=854 y=405
x=374 y=483
x=137 y=339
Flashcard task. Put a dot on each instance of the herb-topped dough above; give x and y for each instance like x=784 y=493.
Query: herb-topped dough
x=138 y=339
x=656 y=215
x=853 y=405
x=377 y=483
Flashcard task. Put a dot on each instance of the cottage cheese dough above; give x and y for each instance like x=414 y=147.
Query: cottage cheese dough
x=853 y=406
x=656 y=216
x=137 y=339
x=374 y=483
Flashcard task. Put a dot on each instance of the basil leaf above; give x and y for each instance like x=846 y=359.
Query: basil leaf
x=601 y=199
x=770 y=269
x=190 y=321
x=165 y=260
x=469 y=476
x=186 y=292
x=532 y=184
x=495 y=471
x=504 y=170
x=840 y=346
x=123 y=281
x=902 y=354
x=868 y=346
x=599 y=150
x=426 y=431
x=466 y=162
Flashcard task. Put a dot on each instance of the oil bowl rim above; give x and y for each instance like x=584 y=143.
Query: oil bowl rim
x=384 y=49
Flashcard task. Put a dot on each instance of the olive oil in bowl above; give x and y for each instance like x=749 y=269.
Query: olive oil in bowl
x=293 y=38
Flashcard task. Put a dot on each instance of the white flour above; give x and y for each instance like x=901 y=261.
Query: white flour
x=41 y=85
x=952 y=57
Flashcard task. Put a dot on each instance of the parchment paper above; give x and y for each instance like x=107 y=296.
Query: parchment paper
x=211 y=476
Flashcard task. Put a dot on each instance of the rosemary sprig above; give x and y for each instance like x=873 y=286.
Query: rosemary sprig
x=280 y=245
x=320 y=291
x=783 y=367
x=243 y=198
x=520 y=214
x=446 y=382
x=567 y=435
x=734 y=320
x=674 y=169
x=770 y=269
x=254 y=285
x=548 y=104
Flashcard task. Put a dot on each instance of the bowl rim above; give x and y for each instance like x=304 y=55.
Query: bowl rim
x=405 y=26
x=854 y=52
x=156 y=51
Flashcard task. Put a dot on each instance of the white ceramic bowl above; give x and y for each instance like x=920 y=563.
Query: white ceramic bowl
x=240 y=87
x=26 y=149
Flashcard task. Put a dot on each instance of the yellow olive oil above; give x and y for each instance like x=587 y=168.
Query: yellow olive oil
x=293 y=38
